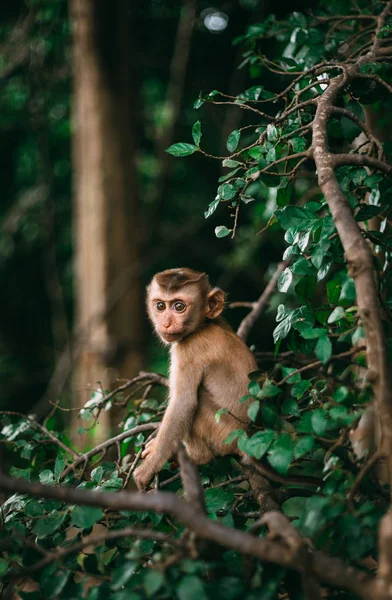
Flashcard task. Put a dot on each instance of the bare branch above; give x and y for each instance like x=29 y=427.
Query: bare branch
x=280 y=527
x=363 y=472
x=362 y=160
x=319 y=363
x=366 y=130
x=329 y=570
x=96 y=540
x=84 y=458
x=44 y=430
x=191 y=481
x=260 y=306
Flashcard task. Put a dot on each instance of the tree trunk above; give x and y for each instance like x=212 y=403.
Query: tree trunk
x=109 y=308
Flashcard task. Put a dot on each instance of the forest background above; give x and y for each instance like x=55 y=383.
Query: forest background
x=256 y=148
x=160 y=214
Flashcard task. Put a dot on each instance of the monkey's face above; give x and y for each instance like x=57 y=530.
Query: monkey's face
x=175 y=313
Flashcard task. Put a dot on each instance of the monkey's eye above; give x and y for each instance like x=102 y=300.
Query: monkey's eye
x=179 y=306
x=160 y=306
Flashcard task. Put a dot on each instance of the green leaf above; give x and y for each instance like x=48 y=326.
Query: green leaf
x=196 y=133
x=272 y=133
x=271 y=155
x=269 y=412
x=348 y=292
x=221 y=411
x=226 y=191
x=153 y=581
x=341 y=394
x=295 y=216
x=231 y=164
x=53 y=581
x=255 y=152
x=336 y=314
x=298 y=144
x=299 y=388
x=302 y=318
x=252 y=93
x=218 y=499
x=34 y=509
x=313 y=334
x=259 y=443
x=123 y=574
x=222 y=231
x=303 y=267
x=97 y=474
x=287 y=370
x=319 y=421
x=20 y=473
x=233 y=435
x=304 y=445
x=290 y=407
x=323 y=271
x=281 y=453
x=46 y=477
x=3 y=566
x=48 y=525
x=253 y=410
x=341 y=416
x=269 y=390
x=85 y=516
x=59 y=465
x=212 y=208
x=191 y=587
x=232 y=140
x=181 y=149
x=282 y=330
x=285 y=280
x=323 y=349
x=333 y=291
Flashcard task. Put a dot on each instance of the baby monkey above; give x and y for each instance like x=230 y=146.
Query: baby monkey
x=209 y=366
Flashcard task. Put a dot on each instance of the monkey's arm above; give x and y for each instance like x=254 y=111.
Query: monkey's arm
x=176 y=423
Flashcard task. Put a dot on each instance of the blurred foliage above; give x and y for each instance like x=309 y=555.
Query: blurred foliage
x=36 y=265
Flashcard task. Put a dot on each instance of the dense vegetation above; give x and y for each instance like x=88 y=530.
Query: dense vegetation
x=308 y=164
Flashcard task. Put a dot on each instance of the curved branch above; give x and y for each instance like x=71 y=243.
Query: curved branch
x=329 y=570
x=361 y=160
x=260 y=306
x=84 y=458
x=366 y=130
x=95 y=540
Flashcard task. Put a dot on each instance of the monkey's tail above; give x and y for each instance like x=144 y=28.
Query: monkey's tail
x=272 y=475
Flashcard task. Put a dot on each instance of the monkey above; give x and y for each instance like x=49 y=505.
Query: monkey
x=209 y=367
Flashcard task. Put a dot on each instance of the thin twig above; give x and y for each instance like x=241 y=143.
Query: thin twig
x=260 y=306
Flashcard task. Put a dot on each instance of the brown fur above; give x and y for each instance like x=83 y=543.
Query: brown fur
x=209 y=370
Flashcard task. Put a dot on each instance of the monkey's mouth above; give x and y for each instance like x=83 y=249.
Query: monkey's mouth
x=171 y=337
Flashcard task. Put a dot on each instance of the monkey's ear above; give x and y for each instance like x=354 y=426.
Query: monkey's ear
x=215 y=303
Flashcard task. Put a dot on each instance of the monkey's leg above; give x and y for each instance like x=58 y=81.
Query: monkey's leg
x=198 y=450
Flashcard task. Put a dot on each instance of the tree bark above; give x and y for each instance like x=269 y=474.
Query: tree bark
x=106 y=212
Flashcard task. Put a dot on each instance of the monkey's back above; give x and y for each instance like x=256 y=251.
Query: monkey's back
x=227 y=361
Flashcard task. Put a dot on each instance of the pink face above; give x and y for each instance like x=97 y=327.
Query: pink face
x=173 y=312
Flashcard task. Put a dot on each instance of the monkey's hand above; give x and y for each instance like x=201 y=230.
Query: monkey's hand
x=143 y=475
x=149 y=448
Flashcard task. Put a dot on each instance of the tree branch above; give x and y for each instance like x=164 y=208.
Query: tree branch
x=362 y=160
x=329 y=570
x=84 y=458
x=260 y=306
